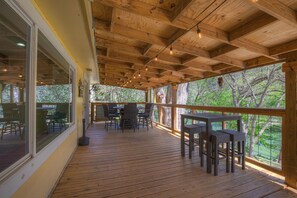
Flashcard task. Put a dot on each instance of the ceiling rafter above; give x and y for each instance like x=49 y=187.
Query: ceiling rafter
x=277 y=9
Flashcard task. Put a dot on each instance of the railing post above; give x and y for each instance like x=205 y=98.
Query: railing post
x=92 y=113
x=146 y=96
x=289 y=151
x=173 y=107
x=224 y=125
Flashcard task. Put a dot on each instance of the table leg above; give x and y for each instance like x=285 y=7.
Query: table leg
x=208 y=147
x=182 y=138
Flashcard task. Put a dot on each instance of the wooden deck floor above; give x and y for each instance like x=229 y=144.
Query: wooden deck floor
x=148 y=164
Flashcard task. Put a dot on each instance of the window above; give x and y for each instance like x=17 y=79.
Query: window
x=53 y=93
x=14 y=64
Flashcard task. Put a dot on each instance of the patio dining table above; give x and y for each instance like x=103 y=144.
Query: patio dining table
x=208 y=118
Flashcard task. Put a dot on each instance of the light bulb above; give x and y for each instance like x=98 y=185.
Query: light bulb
x=156 y=58
x=171 y=52
x=146 y=68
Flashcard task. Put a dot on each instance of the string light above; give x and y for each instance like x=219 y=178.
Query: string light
x=171 y=52
x=146 y=68
x=156 y=58
x=139 y=74
x=199 y=32
x=134 y=77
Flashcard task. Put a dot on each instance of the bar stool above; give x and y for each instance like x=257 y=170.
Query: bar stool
x=191 y=130
x=240 y=138
x=215 y=139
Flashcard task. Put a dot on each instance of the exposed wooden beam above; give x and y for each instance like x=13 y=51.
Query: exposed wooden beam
x=222 y=49
x=284 y=48
x=277 y=9
x=181 y=9
x=139 y=35
x=251 y=26
x=141 y=8
x=118 y=46
x=146 y=49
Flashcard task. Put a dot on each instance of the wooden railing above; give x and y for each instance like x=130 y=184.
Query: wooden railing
x=224 y=110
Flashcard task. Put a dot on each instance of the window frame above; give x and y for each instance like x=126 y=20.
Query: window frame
x=17 y=173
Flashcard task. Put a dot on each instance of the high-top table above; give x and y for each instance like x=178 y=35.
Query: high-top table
x=208 y=118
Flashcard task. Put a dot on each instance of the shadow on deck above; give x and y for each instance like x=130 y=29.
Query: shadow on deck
x=149 y=164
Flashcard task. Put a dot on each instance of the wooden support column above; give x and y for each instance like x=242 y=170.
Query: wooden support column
x=92 y=113
x=146 y=96
x=21 y=94
x=289 y=151
x=173 y=108
x=11 y=94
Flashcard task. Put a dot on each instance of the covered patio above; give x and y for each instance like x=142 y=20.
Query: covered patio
x=59 y=58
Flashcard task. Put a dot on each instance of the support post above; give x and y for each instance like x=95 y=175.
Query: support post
x=173 y=107
x=92 y=113
x=289 y=149
x=11 y=94
x=146 y=96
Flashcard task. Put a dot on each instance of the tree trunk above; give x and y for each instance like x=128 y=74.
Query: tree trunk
x=252 y=135
x=167 y=110
x=182 y=98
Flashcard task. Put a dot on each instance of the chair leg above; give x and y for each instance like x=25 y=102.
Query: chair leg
x=147 y=124
x=227 y=157
x=191 y=138
x=239 y=151
x=201 y=151
x=243 y=155
x=216 y=158
x=232 y=156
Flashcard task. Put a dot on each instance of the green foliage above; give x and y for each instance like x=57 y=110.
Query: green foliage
x=53 y=94
x=103 y=93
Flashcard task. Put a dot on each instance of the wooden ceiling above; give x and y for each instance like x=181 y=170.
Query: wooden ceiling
x=236 y=35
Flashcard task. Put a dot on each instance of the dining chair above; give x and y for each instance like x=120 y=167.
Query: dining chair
x=109 y=117
x=129 y=117
x=146 y=116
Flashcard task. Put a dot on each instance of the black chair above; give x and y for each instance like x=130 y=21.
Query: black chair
x=10 y=117
x=129 y=117
x=60 y=116
x=146 y=116
x=112 y=110
x=215 y=139
x=240 y=138
x=192 y=130
x=109 y=117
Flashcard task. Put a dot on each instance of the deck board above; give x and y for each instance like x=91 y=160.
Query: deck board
x=148 y=164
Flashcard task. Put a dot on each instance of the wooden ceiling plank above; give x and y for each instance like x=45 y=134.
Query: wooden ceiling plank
x=141 y=8
x=277 y=9
x=251 y=26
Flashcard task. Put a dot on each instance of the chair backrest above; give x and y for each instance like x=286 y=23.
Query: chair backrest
x=130 y=112
x=149 y=107
x=22 y=112
x=105 y=110
x=111 y=108
x=62 y=110
x=10 y=111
